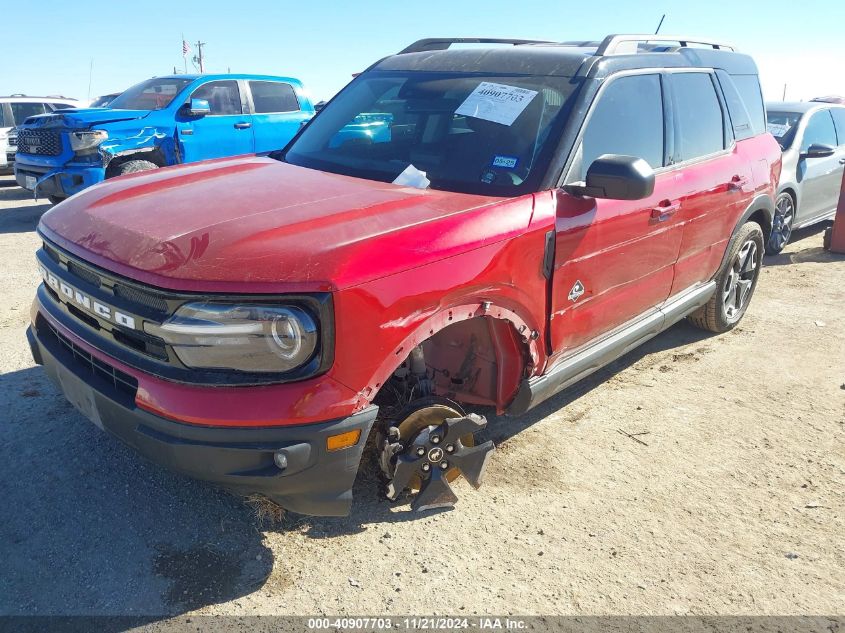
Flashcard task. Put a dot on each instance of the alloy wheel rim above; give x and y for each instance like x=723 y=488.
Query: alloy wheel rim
x=782 y=222
x=740 y=280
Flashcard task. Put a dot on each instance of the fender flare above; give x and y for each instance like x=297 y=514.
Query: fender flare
x=761 y=203
x=443 y=318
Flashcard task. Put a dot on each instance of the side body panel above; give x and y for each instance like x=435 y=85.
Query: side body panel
x=620 y=253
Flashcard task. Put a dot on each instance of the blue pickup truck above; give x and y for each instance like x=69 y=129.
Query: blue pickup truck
x=159 y=122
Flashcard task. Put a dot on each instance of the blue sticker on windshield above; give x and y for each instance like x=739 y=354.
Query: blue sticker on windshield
x=508 y=162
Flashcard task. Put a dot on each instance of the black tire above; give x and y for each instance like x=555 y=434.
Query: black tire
x=133 y=167
x=735 y=282
x=55 y=199
x=782 y=222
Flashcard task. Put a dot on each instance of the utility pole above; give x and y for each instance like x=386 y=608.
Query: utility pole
x=199 y=55
x=784 y=93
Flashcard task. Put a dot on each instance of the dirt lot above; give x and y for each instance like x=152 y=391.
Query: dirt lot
x=734 y=503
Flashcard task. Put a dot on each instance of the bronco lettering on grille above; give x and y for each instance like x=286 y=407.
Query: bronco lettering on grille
x=81 y=299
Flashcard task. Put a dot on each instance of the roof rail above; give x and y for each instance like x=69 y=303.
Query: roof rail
x=443 y=43
x=627 y=44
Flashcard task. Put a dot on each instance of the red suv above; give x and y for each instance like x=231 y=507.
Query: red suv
x=456 y=229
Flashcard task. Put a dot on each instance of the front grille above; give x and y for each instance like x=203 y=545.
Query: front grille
x=92 y=365
x=135 y=295
x=39 y=142
x=83 y=273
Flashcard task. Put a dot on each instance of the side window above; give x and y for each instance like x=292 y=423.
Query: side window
x=839 y=120
x=628 y=119
x=752 y=97
x=223 y=97
x=273 y=96
x=21 y=111
x=698 y=114
x=740 y=119
x=819 y=130
x=4 y=122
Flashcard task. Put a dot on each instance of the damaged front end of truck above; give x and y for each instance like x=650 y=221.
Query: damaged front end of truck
x=60 y=154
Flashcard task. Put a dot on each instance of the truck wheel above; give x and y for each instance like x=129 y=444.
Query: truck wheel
x=430 y=445
x=781 y=224
x=735 y=282
x=55 y=199
x=133 y=167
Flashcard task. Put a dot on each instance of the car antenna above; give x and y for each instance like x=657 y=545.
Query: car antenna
x=660 y=24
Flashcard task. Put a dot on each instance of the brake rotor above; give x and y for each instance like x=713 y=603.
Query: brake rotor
x=432 y=446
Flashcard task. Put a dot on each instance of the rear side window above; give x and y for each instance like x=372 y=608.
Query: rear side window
x=628 y=119
x=20 y=111
x=740 y=119
x=839 y=120
x=273 y=96
x=223 y=97
x=819 y=130
x=752 y=96
x=698 y=113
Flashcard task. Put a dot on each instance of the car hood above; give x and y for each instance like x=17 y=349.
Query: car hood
x=80 y=118
x=216 y=224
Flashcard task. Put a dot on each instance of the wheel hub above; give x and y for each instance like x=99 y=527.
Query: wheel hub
x=434 y=456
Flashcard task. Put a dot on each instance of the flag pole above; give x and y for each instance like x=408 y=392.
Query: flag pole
x=184 y=56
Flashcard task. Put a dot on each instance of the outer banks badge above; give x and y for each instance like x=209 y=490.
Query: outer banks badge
x=577 y=291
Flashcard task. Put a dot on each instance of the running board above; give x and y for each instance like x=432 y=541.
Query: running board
x=584 y=362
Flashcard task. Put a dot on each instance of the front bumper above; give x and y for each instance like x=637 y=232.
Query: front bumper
x=315 y=480
x=57 y=180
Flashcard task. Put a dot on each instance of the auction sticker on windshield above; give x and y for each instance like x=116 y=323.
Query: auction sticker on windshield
x=496 y=102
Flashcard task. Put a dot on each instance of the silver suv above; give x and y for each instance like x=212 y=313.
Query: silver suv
x=812 y=137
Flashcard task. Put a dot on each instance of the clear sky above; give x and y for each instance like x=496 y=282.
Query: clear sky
x=49 y=45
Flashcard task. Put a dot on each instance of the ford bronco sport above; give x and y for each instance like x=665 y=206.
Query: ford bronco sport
x=252 y=321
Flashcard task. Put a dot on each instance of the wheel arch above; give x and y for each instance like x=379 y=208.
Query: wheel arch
x=478 y=353
x=761 y=210
x=152 y=154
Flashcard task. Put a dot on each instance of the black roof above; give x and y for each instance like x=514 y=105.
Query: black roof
x=566 y=59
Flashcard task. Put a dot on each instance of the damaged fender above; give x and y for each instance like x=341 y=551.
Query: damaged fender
x=148 y=139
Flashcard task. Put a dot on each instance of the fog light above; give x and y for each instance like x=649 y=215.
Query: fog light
x=343 y=440
x=281 y=460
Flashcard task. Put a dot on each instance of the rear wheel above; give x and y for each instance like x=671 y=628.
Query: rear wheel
x=735 y=282
x=781 y=224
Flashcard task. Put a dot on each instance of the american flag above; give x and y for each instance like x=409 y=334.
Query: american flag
x=185 y=48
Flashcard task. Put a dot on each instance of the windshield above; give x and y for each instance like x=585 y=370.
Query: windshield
x=782 y=126
x=153 y=94
x=469 y=133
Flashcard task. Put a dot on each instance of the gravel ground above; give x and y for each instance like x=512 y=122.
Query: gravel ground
x=734 y=502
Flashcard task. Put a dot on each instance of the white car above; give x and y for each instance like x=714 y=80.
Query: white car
x=14 y=109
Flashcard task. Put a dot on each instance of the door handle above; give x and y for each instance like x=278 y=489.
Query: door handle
x=186 y=132
x=842 y=161
x=242 y=126
x=665 y=210
x=738 y=182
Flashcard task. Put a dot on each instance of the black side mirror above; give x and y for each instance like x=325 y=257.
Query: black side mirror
x=818 y=150
x=616 y=177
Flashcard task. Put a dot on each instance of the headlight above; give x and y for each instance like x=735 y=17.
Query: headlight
x=87 y=142
x=254 y=338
